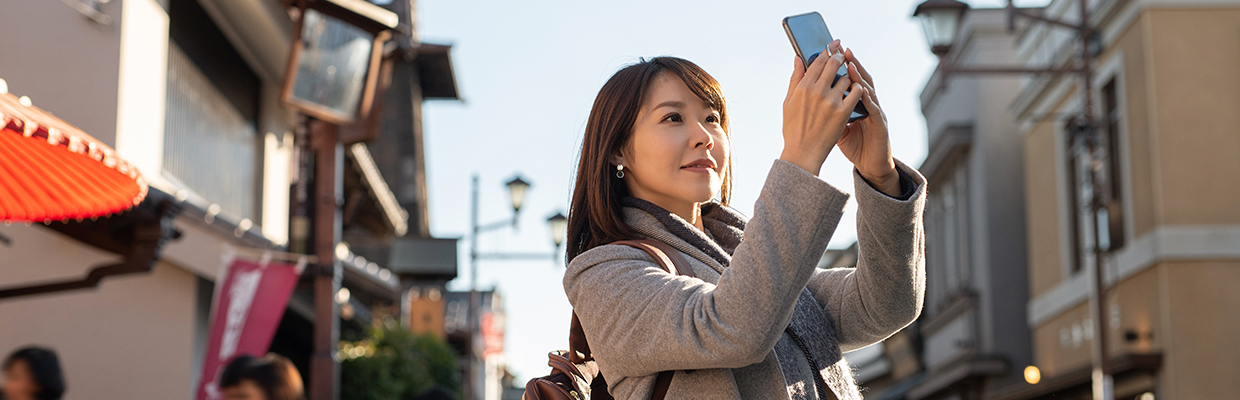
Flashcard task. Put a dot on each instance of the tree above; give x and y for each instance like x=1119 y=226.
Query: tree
x=395 y=364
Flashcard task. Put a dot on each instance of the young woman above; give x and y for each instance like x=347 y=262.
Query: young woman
x=760 y=321
x=32 y=373
x=269 y=378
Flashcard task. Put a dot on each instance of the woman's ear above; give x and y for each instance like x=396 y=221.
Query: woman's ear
x=617 y=159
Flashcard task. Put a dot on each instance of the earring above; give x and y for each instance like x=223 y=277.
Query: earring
x=620 y=171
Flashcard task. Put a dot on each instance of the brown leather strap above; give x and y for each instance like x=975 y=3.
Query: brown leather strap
x=667 y=256
x=672 y=262
x=661 y=384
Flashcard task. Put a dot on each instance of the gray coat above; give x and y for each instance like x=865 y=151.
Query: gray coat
x=719 y=330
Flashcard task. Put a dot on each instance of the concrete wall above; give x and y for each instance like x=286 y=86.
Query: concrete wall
x=1179 y=92
x=1193 y=58
x=66 y=63
x=131 y=338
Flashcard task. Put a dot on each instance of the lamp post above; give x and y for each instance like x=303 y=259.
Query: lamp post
x=331 y=80
x=941 y=21
x=517 y=188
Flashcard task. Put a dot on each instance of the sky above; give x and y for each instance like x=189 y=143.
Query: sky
x=528 y=73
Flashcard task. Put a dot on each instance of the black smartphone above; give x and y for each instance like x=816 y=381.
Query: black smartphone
x=810 y=37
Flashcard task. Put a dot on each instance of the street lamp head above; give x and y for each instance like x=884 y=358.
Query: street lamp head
x=516 y=189
x=941 y=20
x=559 y=228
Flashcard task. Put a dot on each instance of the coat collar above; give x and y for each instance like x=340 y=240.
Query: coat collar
x=724 y=229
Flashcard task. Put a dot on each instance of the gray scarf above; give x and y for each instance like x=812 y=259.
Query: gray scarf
x=811 y=329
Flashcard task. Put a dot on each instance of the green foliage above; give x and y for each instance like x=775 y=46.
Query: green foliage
x=395 y=364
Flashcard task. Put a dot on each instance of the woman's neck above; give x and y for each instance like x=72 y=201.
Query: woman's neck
x=691 y=212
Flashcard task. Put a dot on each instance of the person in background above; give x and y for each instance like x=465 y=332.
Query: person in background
x=32 y=373
x=269 y=378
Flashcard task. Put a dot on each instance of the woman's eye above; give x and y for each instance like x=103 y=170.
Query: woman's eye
x=712 y=119
x=672 y=117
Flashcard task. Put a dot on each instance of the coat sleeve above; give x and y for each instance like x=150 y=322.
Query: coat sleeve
x=884 y=293
x=640 y=320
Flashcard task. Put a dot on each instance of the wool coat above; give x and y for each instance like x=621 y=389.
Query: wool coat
x=719 y=330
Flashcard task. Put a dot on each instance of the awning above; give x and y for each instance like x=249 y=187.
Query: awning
x=53 y=171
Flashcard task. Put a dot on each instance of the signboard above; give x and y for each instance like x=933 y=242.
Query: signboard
x=248 y=305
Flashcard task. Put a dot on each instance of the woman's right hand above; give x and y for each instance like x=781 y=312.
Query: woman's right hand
x=815 y=112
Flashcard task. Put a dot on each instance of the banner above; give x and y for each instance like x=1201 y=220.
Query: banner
x=248 y=305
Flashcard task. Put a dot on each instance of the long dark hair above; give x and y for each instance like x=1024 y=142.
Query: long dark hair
x=44 y=369
x=274 y=374
x=595 y=215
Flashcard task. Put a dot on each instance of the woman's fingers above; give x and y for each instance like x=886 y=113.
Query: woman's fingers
x=843 y=85
x=813 y=73
x=855 y=93
x=854 y=72
x=798 y=72
x=832 y=66
x=865 y=75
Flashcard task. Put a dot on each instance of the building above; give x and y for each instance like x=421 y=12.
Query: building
x=970 y=338
x=1003 y=146
x=1165 y=95
x=189 y=92
x=972 y=332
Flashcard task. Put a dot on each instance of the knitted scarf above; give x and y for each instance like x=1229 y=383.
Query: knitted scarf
x=810 y=328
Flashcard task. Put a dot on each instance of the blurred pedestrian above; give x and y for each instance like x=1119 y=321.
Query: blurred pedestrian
x=32 y=373
x=269 y=378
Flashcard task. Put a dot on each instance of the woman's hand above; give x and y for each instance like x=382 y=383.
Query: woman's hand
x=815 y=112
x=865 y=141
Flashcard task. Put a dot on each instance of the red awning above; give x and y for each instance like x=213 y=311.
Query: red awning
x=53 y=171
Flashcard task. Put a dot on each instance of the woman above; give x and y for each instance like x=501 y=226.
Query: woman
x=32 y=373
x=269 y=378
x=760 y=321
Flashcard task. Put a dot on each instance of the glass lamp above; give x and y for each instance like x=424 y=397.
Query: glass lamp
x=941 y=20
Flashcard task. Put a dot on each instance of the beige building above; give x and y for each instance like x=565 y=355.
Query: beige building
x=1167 y=94
x=189 y=92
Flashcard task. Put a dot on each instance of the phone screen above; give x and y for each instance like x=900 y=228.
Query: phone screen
x=809 y=33
x=810 y=38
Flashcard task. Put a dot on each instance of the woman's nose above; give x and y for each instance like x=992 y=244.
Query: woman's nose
x=702 y=137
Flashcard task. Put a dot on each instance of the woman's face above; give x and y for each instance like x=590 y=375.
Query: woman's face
x=246 y=390
x=19 y=383
x=678 y=150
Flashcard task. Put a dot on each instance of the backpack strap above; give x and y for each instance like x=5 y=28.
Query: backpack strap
x=672 y=262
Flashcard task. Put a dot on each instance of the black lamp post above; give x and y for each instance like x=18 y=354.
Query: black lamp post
x=517 y=189
x=941 y=20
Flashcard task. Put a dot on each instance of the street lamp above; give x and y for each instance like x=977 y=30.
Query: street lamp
x=517 y=188
x=559 y=229
x=941 y=19
x=331 y=75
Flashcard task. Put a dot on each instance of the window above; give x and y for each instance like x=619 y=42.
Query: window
x=211 y=141
x=1110 y=139
x=1072 y=175
x=947 y=238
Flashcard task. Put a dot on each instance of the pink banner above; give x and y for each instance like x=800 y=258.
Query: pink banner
x=249 y=303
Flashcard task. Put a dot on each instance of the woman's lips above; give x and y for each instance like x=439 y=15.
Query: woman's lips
x=701 y=170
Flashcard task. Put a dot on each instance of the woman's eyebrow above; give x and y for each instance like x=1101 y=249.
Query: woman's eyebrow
x=670 y=103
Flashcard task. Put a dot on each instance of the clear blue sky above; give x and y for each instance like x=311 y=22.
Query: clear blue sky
x=528 y=72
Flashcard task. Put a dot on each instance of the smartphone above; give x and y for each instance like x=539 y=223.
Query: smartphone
x=810 y=37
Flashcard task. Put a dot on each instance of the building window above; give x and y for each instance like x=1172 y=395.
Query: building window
x=947 y=239
x=1110 y=139
x=211 y=141
x=1074 y=179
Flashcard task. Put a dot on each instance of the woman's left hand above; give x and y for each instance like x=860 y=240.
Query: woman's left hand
x=865 y=142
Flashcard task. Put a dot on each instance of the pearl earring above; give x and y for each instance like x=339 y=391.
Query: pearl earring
x=620 y=171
